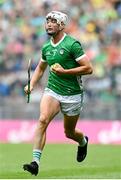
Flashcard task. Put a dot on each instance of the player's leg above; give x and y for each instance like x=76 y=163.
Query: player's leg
x=71 y=131
x=71 y=108
x=49 y=107
x=76 y=135
x=70 y=128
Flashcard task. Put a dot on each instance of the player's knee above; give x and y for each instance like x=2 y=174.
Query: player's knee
x=43 y=121
x=69 y=134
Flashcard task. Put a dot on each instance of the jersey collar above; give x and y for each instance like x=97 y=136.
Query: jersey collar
x=54 y=45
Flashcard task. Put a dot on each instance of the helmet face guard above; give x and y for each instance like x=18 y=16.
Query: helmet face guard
x=59 y=16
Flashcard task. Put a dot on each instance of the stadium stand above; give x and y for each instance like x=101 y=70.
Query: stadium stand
x=95 y=23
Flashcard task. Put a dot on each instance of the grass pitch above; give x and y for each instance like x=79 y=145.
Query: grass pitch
x=58 y=162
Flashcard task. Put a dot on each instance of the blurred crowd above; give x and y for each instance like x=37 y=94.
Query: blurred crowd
x=95 y=23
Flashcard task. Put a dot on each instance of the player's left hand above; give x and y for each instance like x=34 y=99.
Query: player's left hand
x=57 y=68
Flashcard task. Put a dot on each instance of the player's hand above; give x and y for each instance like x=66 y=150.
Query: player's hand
x=26 y=89
x=57 y=68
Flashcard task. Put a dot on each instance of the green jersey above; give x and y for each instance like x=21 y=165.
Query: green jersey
x=66 y=52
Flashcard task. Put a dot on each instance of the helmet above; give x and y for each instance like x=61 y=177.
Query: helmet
x=59 y=16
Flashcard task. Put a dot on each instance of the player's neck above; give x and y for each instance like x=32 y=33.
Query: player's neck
x=57 y=37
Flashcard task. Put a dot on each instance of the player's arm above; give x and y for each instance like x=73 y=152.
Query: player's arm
x=84 y=68
x=38 y=73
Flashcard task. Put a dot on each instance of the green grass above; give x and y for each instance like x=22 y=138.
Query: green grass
x=58 y=161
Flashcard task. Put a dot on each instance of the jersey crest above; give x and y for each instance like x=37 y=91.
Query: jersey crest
x=62 y=51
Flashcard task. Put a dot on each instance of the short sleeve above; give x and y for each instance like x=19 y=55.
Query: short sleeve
x=43 y=57
x=77 y=51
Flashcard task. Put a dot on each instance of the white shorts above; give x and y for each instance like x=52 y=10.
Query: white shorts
x=70 y=105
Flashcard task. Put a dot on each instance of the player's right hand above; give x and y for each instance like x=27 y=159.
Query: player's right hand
x=55 y=66
x=26 y=89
